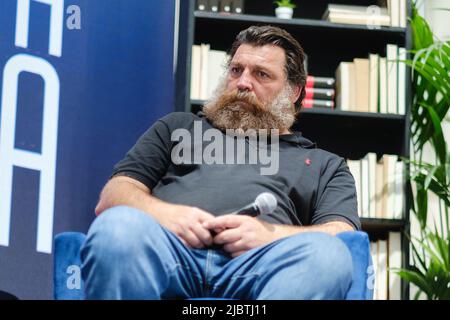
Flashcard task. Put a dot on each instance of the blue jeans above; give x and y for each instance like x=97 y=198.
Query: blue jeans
x=129 y=255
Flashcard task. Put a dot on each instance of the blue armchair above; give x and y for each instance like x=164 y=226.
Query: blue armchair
x=69 y=286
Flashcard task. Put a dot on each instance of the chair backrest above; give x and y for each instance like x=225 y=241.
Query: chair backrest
x=68 y=284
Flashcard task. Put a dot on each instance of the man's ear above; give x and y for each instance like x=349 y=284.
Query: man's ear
x=296 y=90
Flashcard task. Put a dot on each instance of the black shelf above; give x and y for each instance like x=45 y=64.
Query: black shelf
x=352 y=134
x=297 y=22
x=382 y=225
x=378 y=229
x=348 y=134
x=326 y=44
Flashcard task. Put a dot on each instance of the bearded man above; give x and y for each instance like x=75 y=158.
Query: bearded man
x=166 y=229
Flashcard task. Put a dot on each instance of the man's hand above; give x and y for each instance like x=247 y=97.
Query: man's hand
x=186 y=223
x=240 y=233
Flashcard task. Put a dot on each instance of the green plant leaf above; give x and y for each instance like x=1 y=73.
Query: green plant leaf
x=417 y=278
x=285 y=3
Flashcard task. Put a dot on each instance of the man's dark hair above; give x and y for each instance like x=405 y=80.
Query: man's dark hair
x=295 y=56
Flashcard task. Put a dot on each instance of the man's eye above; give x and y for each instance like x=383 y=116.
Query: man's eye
x=235 y=70
x=262 y=74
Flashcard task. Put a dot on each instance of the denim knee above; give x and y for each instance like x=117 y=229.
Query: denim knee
x=119 y=232
x=332 y=260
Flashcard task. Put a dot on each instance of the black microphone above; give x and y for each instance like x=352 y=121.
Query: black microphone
x=264 y=203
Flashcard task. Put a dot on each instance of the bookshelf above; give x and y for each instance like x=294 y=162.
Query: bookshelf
x=346 y=133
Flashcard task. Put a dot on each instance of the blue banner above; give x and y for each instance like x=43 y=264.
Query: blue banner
x=80 y=81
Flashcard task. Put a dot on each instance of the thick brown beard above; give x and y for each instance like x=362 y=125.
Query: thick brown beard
x=243 y=111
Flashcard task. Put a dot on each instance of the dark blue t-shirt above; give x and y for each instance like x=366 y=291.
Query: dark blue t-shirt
x=312 y=186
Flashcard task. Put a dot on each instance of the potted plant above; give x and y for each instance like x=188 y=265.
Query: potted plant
x=285 y=9
x=430 y=267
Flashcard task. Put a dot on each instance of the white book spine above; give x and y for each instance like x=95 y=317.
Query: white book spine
x=392 y=77
x=216 y=69
x=403 y=14
x=382 y=270
x=394 y=12
x=204 y=71
x=373 y=82
x=399 y=193
x=372 y=160
x=401 y=81
x=343 y=86
x=195 y=72
x=339 y=86
x=382 y=102
x=355 y=168
x=390 y=161
x=379 y=183
x=365 y=186
x=395 y=262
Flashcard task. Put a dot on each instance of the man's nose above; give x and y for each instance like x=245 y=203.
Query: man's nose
x=245 y=82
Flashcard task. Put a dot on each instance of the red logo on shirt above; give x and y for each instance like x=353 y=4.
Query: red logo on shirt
x=308 y=161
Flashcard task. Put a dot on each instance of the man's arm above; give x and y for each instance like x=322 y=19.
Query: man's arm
x=332 y=227
x=242 y=233
x=184 y=221
x=122 y=190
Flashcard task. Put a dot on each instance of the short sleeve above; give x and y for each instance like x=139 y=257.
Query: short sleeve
x=147 y=161
x=336 y=197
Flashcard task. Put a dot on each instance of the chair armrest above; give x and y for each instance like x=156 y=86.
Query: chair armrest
x=67 y=282
x=363 y=273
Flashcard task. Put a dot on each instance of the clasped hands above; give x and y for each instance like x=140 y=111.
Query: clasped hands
x=237 y=234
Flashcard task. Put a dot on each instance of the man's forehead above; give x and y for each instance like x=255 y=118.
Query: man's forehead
x=266 y=54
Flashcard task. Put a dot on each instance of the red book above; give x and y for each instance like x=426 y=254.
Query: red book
x=309 y=103
x=319 y=93
x=319 y=82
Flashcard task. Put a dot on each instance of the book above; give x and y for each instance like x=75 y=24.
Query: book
x=362 y=84
x=392 y=77
x=373 y=82
x=345 y=91
x=372 y=158
x=401 y=105
x=204 y=48
x=317 y=103
x=319 y=93
x=395 y=262
x=399 y=190
x=393 y=7
x=368 y=20
x=350 y=9
x=237 y=6
x=382 y=270
x=195 y=72
x=365 y=187
x=355 y=169
x=403 y=14
x=320 y=82
x=216 y=69
x=225 y=6
x=351 y=14
x=214 y=5
x=382 y=87
x=201 y=5
x=379 y=191
x=389 y=178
